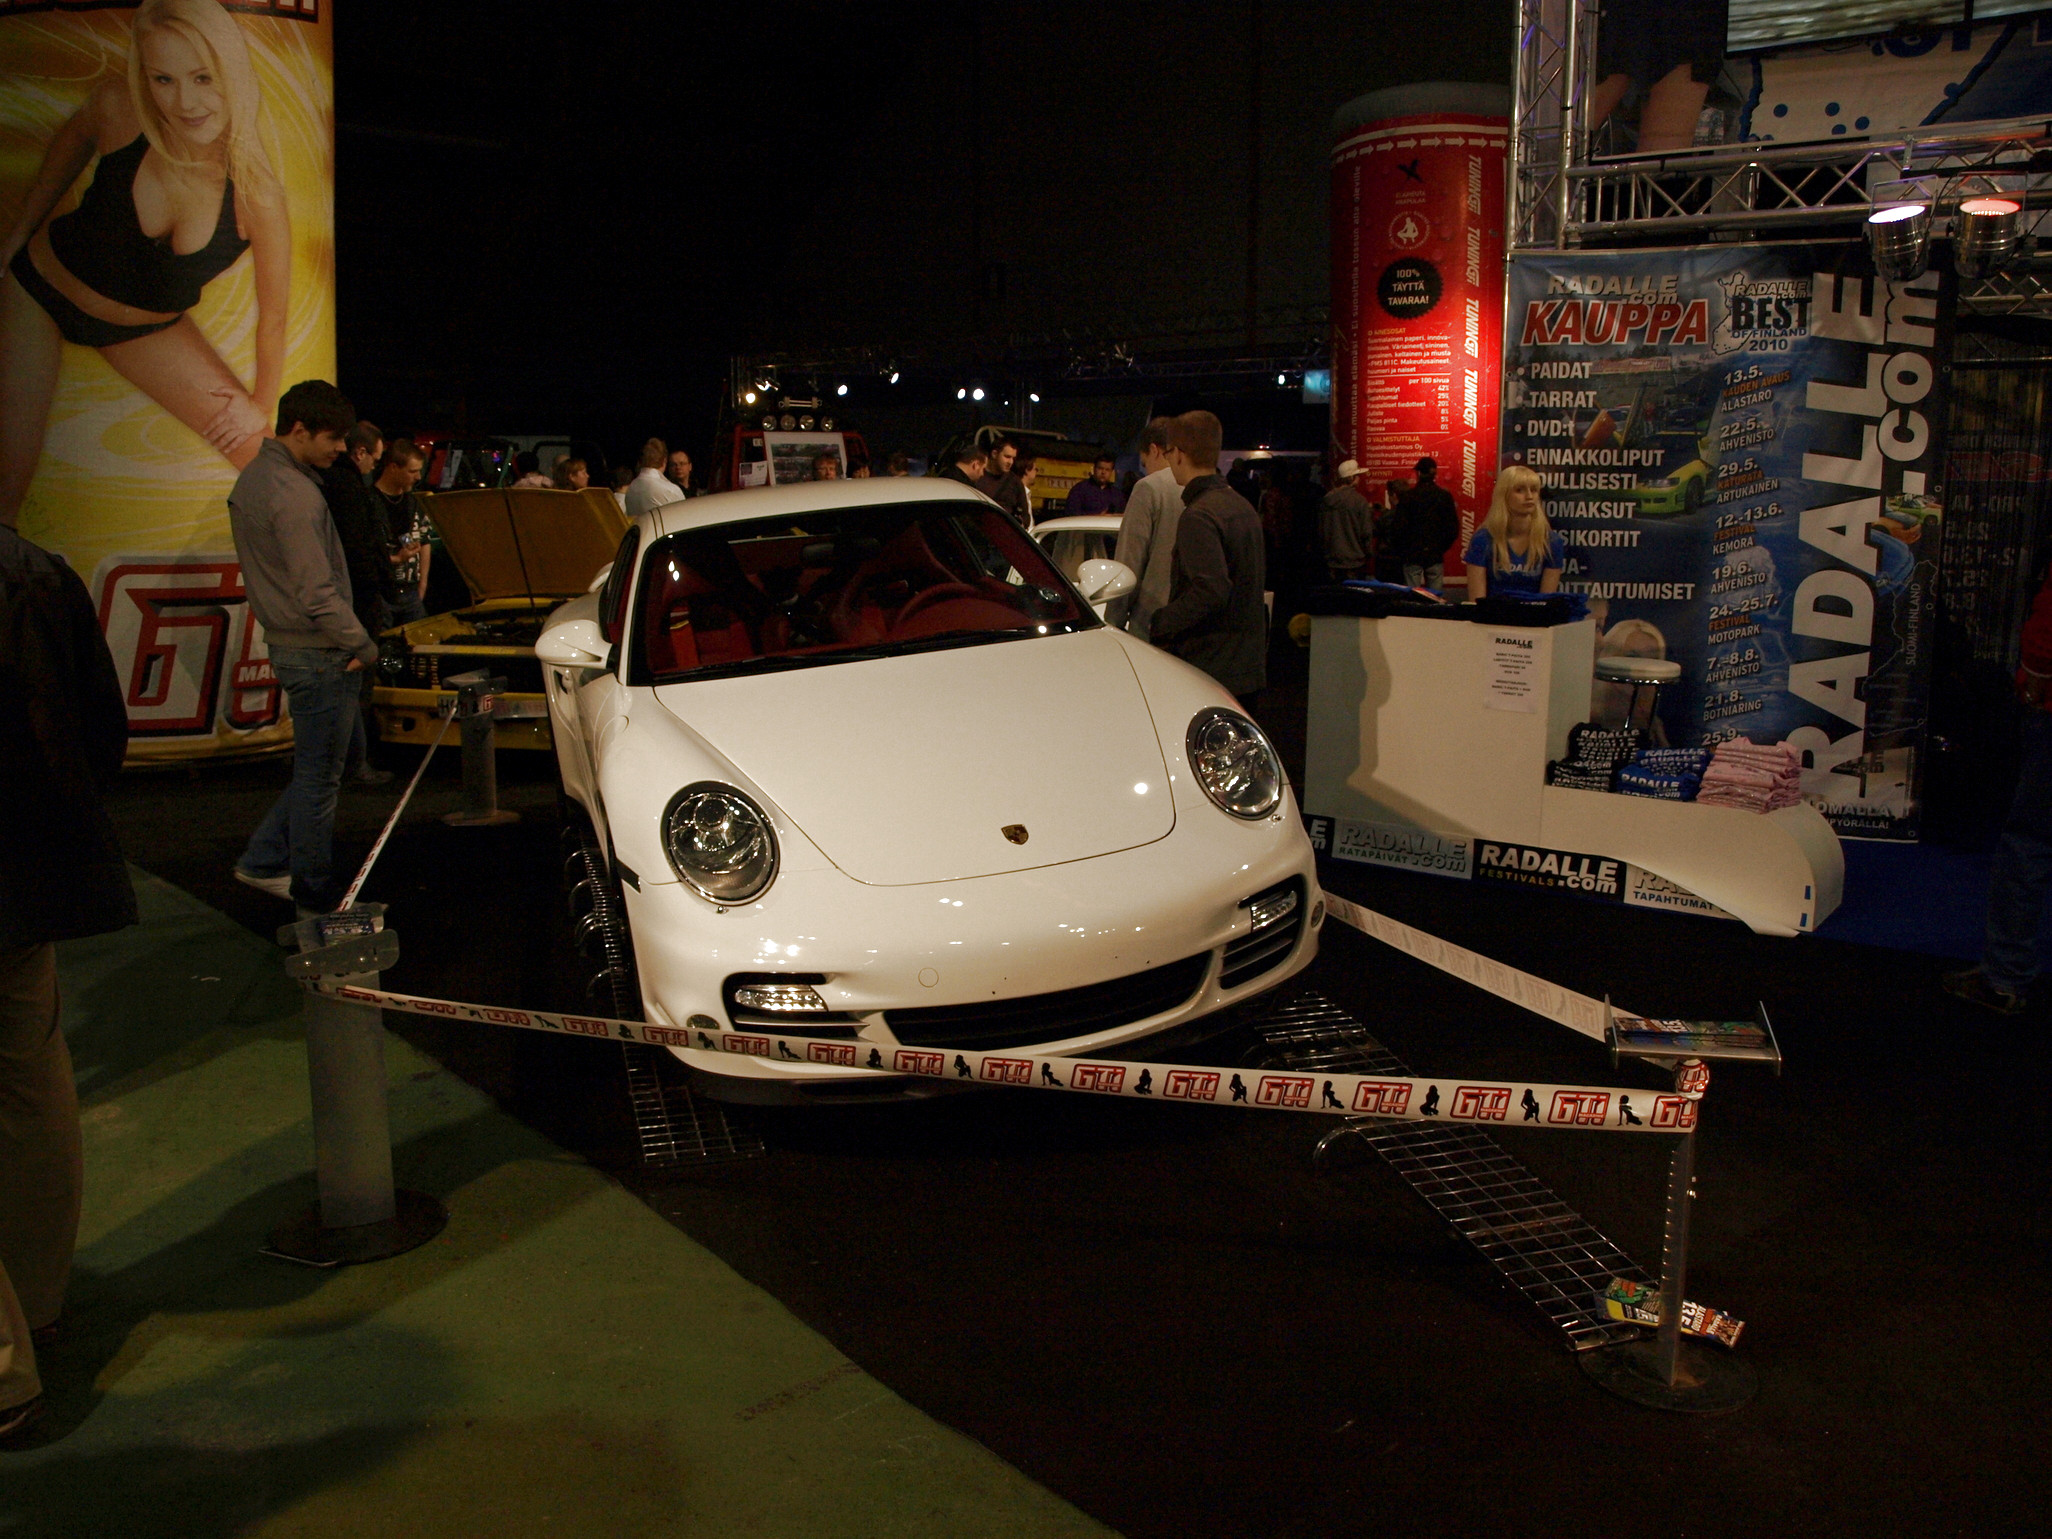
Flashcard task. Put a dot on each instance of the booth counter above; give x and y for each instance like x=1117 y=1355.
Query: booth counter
x=1427 y=746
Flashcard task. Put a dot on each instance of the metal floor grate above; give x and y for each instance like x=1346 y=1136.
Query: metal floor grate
x=1542 y=1247
x=673 y=1126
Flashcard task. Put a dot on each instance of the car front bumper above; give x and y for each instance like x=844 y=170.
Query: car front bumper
x=981 y=941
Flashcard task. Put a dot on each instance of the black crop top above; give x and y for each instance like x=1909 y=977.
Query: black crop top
x=102 y=244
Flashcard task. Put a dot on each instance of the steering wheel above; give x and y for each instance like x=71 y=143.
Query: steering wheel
x=927 y=597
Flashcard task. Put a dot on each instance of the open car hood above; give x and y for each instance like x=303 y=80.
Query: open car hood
x=911 y=769
x=513 y=542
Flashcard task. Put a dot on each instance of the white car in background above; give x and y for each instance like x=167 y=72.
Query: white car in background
x=1076 y=538
x=867 y=769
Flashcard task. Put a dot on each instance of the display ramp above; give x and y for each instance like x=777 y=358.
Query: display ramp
x=1539 y=1245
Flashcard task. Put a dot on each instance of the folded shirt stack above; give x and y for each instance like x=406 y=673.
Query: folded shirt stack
x=1759 y=777
x=1634 y=780
x=1594 y=753
x=1673 y=761
x=1582 y=777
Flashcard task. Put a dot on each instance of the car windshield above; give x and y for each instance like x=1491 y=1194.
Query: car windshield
x=843 y=585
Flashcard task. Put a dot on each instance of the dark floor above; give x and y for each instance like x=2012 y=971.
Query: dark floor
x=1167 y=1318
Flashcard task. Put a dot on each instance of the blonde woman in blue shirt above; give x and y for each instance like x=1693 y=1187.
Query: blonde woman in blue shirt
x=1515 y=552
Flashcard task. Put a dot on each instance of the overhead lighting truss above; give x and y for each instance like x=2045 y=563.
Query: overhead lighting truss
x=1564 y=197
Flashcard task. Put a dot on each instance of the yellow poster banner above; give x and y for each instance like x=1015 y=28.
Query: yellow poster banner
x=167 y=198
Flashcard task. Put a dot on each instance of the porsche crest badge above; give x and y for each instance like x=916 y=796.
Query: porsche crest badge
x=1016 y=832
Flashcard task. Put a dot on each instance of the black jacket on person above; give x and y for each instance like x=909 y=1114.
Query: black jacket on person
x=366 y=535
x=1214 y=617
x=1423 y=525
x=63 y=732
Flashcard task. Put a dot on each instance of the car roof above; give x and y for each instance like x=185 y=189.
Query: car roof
x=755 y=502
x=1089 y=523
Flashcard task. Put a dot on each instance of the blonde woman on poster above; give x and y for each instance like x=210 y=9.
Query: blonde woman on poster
x=183 y=188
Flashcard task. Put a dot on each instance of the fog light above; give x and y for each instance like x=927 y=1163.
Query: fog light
x=1265 y=912
x=1984 y=236
x=1899 y=238
x=780 y=998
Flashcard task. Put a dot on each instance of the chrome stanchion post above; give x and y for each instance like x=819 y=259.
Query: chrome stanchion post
x=1674 y=1256
x=477 y=699
x=1667 y=1373
x=360 y=1215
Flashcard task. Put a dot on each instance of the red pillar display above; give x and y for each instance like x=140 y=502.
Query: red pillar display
x=1417 y=285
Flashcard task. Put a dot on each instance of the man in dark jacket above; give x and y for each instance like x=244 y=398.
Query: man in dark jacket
x=1214 y=617
x=63 y=731
x=359 y=515
x=2023 y=857
x=968 y=467
x=1423 y=526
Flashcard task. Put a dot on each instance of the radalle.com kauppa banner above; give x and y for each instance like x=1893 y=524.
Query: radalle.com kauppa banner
x=1742 y=449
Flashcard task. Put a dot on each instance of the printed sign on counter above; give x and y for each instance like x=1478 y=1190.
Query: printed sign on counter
x=1593 y=876
x=1645 y=890
x=1408 y=849
x=1512 y=683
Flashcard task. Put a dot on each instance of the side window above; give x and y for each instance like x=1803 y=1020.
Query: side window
x=613 y=596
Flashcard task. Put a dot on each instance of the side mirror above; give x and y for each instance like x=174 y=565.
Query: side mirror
x=599 y=581
x=573 y=644
x=1103 y=581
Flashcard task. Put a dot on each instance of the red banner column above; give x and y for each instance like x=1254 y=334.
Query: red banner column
x=1417 y=285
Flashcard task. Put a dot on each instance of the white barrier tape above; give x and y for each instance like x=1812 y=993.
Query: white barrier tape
x=1407 y=1098
x=1577 y=1012
x=377 y=849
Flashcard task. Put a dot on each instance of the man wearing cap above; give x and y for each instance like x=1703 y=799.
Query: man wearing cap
x=1423 y=525
x=1343 y=525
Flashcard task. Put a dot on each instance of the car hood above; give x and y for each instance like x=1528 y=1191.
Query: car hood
x=911 y=769
x=517 y=542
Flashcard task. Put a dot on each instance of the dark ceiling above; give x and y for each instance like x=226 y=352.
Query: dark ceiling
x=565 y=217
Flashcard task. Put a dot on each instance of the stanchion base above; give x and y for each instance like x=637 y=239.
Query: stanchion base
x=484 y=820
x=419 y=1219
x=1706 y=1383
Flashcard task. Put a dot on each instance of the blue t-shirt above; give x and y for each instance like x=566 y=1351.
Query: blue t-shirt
x=1514 y=581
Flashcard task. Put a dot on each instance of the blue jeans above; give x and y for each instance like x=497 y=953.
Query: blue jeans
x=298 y=833
x=2023 y=865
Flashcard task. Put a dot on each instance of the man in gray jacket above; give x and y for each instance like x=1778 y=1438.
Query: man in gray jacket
x=1147 y=534
x=1214 y=617
x=297 y=580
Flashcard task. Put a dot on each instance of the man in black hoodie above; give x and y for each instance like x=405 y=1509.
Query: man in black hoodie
x=1423 y=526
x=968 y=467
x=1214 y=617
x=63 y=731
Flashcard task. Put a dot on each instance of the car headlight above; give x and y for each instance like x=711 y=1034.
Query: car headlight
x=1233 y=762
x=720 y=842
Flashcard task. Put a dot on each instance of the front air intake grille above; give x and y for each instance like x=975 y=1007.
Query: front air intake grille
x=1052 y=1017
x=1266 y=945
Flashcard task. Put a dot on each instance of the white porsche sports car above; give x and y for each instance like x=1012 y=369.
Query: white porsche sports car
x=865 y=765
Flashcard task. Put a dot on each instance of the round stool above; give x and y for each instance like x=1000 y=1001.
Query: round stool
x=1644 y=675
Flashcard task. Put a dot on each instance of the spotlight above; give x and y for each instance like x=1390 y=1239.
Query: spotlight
x=1984 y=236
x=1034 y=399
x=1281 y=380
x=976 y=394
x=840 y=390
x=788 y=423
x=805 y=423
x=1899 y=238
x=748 y=397
x=894 y=376
x=961 y=395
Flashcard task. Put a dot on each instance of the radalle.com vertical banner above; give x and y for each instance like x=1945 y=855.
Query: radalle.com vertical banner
x=1742 y=449
x=167 y=198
